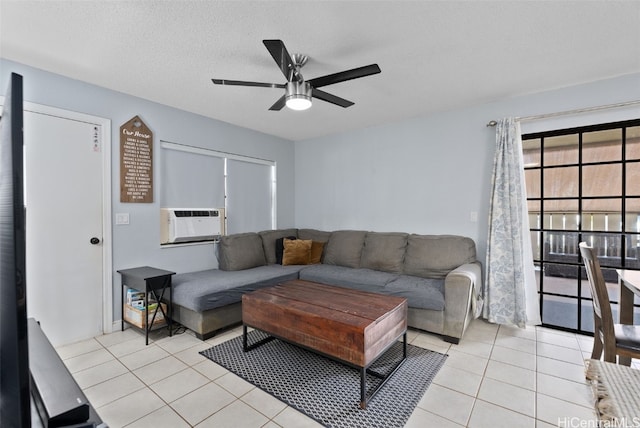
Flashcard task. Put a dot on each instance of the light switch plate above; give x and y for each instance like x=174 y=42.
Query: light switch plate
x=122 y=218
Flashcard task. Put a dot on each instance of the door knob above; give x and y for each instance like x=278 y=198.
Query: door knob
x=94 y=241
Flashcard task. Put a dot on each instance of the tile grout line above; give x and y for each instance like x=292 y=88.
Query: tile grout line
x=497 y=334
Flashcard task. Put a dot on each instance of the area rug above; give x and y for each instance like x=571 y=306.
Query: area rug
x=326 y=390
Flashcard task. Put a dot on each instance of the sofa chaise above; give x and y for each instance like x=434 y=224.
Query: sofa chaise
x=438 y=274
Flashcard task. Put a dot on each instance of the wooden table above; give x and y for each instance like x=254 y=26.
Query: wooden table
x=352 y=326
x=629 y=287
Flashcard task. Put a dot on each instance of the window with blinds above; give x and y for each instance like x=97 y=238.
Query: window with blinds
x=193 y=177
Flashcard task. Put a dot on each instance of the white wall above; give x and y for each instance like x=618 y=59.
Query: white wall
x=137 y=244
x=428 y=174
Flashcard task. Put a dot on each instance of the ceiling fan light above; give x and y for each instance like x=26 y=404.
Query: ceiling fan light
x=298 y=95
x=298 y=102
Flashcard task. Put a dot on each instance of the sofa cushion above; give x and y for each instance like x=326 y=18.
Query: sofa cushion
x=345 y=248
x=240 y=251
x=361 y=279
x=269 y=238
x=314 y=235
x=209 y=289
x=296 y=252
x=384 y=251
x=434 y=256
x=422 y=293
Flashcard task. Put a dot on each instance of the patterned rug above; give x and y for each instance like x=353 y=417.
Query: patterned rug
x=328 y=391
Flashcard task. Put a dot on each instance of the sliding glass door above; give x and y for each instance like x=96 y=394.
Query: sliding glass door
x=583 y=184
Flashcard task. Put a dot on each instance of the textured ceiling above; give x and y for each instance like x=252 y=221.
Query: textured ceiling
x=434 y=55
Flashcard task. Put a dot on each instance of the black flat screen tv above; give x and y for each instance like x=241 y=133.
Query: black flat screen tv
x=15 y=407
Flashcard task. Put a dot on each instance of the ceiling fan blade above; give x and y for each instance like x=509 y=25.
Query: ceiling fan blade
x=281 y=56
x=342 y=76
x=243 y=83
x=279 y=104
x=325 y=96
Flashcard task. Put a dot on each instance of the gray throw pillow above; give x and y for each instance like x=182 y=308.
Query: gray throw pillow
x=384 y=251
x=240 y=251
x=345 y=248
x=434 y=256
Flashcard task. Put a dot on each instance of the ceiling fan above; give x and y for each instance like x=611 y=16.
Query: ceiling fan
x=298 y=91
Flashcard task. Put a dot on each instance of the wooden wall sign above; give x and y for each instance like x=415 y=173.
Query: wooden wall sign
x=136 y=162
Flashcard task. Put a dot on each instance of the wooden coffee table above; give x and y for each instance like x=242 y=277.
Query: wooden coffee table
x=352 y=326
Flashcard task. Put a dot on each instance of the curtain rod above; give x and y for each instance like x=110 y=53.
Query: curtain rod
x=568 y=112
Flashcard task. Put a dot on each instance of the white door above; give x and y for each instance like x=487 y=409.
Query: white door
x=64 y=200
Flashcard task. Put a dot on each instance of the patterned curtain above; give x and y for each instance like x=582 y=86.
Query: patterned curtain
x=510 y=292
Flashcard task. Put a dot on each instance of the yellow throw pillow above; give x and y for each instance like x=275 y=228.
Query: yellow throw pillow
x=296 y=252
x=316 y=252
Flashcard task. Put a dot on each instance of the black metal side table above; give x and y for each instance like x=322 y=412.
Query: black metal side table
x=149 y=280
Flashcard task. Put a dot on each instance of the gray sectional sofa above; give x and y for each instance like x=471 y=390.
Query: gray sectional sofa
x=438 y=274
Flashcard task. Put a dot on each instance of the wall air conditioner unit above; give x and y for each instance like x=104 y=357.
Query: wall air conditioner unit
x=190 y=224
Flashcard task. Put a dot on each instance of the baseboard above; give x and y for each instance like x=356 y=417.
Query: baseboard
x=117 y=326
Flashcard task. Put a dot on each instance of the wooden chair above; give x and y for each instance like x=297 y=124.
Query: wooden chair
x=614 y=339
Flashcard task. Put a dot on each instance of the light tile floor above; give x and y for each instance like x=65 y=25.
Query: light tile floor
x=496 y=376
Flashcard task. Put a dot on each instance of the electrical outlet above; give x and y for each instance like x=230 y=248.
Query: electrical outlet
x=473 y=216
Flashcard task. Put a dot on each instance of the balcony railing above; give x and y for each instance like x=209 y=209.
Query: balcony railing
x=558 y=248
